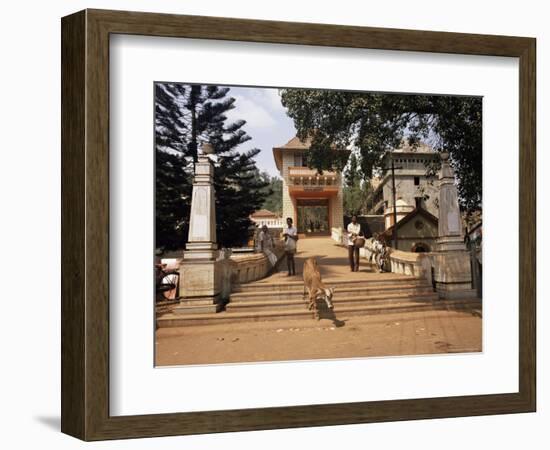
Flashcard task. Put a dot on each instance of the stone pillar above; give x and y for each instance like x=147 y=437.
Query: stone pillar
x=452 y=269
x=200 y=268
x=450 y=223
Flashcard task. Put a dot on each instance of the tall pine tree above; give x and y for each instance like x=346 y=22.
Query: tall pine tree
x=274 y=193
x=185 y=117
x=355 y=188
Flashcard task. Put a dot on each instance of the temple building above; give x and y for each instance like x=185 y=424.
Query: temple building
x=417 y=231
x=314 y=201
x=414 y=189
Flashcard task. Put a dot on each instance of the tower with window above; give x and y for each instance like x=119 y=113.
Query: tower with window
x=414 y=188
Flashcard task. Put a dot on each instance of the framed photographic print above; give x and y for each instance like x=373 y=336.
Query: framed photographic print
x=272 y=225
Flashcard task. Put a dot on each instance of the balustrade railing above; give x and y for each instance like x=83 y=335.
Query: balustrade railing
x=305 y=176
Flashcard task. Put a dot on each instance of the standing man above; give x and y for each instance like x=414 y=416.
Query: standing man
x=265 y=241
x=267 y=245
x=354 y=229
x=291 y=236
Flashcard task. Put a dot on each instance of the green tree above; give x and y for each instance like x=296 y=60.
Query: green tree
x=352 y=172
x=186 y=116
x=274 y=193
x=172 y=200
x=355 y=188
x=375 y=123
x=355 y=199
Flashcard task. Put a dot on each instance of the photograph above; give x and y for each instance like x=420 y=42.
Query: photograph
x=298 y=224
x=275 y=223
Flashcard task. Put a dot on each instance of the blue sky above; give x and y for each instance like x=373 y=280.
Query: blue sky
x=266 y=122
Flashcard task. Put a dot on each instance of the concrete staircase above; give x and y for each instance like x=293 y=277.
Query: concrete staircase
x=260 y=301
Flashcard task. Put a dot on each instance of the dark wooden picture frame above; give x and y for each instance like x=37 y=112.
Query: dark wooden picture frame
x=85 y=224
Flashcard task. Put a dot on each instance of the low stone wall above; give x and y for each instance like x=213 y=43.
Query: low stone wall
x=232 y=269
x=449 y=272
x=247 y=268
x=418 y=265
x=244 y=268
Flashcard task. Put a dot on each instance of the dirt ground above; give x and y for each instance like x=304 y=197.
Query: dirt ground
x=413 y=333
x=331 y=257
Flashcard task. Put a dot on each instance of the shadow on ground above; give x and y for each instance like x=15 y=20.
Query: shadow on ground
x=326 y=313
x=52 y=422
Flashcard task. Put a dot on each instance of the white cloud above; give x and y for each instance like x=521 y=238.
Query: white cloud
x=273 y=99
x=252 y=110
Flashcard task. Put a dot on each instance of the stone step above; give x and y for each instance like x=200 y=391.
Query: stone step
x=346 y=291
x=296 y=285
x=266 y=305
x=339 y=313
x=354 y=299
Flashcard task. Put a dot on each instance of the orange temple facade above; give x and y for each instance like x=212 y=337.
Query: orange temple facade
x=314 y=201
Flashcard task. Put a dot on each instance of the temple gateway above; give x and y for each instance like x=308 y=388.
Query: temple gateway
x=314 y=201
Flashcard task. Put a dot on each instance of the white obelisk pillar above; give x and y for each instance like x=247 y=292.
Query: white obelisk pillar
x=450 y=222
x=451 y=261
x=200 y=269
x=202 y=242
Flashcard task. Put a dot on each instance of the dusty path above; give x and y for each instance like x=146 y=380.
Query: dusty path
x=332 y=258
x=378 y=335
x=407 y=333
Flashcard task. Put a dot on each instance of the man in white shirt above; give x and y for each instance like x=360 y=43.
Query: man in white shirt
x=266 y=245
x=354 y=230
x=265 y=241
x=291 y=236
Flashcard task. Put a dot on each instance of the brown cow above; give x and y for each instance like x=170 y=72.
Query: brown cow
x=315 y=288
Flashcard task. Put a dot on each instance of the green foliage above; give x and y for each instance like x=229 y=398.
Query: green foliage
x=355 y=190
x=172 y=205
x=274 y=193
x=186 y=116
x=355 y=199
x=375 y=123
x=352 y=172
